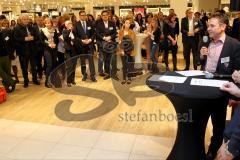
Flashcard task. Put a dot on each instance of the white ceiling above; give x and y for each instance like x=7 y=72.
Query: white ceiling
x=77 y=3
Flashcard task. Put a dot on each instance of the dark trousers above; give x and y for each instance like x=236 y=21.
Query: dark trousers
x=174 y=50
x=110 y=63
x=60 y=58
x=24 y=61
x=5 y=71
x=39 y=65
x=188 y=46
x=100 y=61
x=50 y=56
x=89 y=57
x=71 y=63
x=127 y=65
x=218 y=118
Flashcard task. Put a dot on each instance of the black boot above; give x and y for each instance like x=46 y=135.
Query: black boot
x=175 y=64
x=47 y=84
x=15 y=71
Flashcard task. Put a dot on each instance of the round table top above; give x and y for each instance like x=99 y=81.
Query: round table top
x=184 y=90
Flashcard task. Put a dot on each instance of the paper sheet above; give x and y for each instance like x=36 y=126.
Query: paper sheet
x=190 y=73
x=207 y=82
x=173 y=79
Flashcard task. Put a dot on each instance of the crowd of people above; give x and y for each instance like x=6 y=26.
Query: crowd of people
x=60 y=39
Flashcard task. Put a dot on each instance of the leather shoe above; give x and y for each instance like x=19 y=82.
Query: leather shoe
x=106 y=77
x=115 y=78
x=84 y=78
x=25 y=85
x=102 y=74
x=36 y=82
x=210 y=156
x=93 y=79
x=48 y=85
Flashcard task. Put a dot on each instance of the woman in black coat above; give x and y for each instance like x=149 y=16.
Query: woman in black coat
x=50 y=40
x=170 y=40
x=6 y=54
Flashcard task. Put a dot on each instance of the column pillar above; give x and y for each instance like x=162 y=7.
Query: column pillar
x=1 y=9
x=89 y=8
x=116 y=10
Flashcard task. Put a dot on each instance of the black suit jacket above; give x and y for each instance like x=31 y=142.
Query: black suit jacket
x=68 y=42
x=7 y=45
x=39 y=42
x=231 y=49
x=101 y=31
x=185 y=27
x=22 y=46
x=236 y=29
x=80 y=35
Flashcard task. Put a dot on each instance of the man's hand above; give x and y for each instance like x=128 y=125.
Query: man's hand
x=196 y=30
x=52 y=45
x=84 y=41
x=204 y=51
x=31 y=38
x=231 y=88
x=108 y=38
x=222 y=154
x=174 y=42
x=236 y=76
x=190 y=34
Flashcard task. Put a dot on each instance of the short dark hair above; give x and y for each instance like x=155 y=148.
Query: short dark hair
x=105 y=11
x=82 y=11
x=171 y=15
x=223 y=18
x=2 y=17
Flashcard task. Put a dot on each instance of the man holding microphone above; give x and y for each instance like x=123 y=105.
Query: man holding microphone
x=221 y=56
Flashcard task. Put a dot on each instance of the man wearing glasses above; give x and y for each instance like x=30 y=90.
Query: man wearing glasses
x=106 y=33
x=84 y=42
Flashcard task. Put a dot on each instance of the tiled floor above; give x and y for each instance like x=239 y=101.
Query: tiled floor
x=33 y=141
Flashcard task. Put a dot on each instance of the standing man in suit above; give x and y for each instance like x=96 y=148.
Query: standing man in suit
x=190 y=28
x=236 y=27
x=39 y=55
x=84 y=41
x=223 y=57
x=26 y=37
x=106 y=33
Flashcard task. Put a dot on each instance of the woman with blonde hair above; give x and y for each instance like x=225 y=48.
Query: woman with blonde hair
x=127 y=38
x=50 y=41
x=155 y=34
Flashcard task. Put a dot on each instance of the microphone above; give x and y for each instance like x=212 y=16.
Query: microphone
x=206 y=41
x=209 y=75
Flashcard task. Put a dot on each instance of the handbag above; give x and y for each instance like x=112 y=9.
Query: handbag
x=127 y=44
x=3 y=94
x=109 y=47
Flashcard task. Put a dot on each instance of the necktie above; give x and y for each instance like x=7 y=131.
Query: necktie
x=28 y=31
x=84 y=26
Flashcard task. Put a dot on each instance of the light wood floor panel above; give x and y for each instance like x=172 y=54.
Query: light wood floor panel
x=37 y=104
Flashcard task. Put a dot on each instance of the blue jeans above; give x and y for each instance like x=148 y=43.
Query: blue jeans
x=154 y=49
